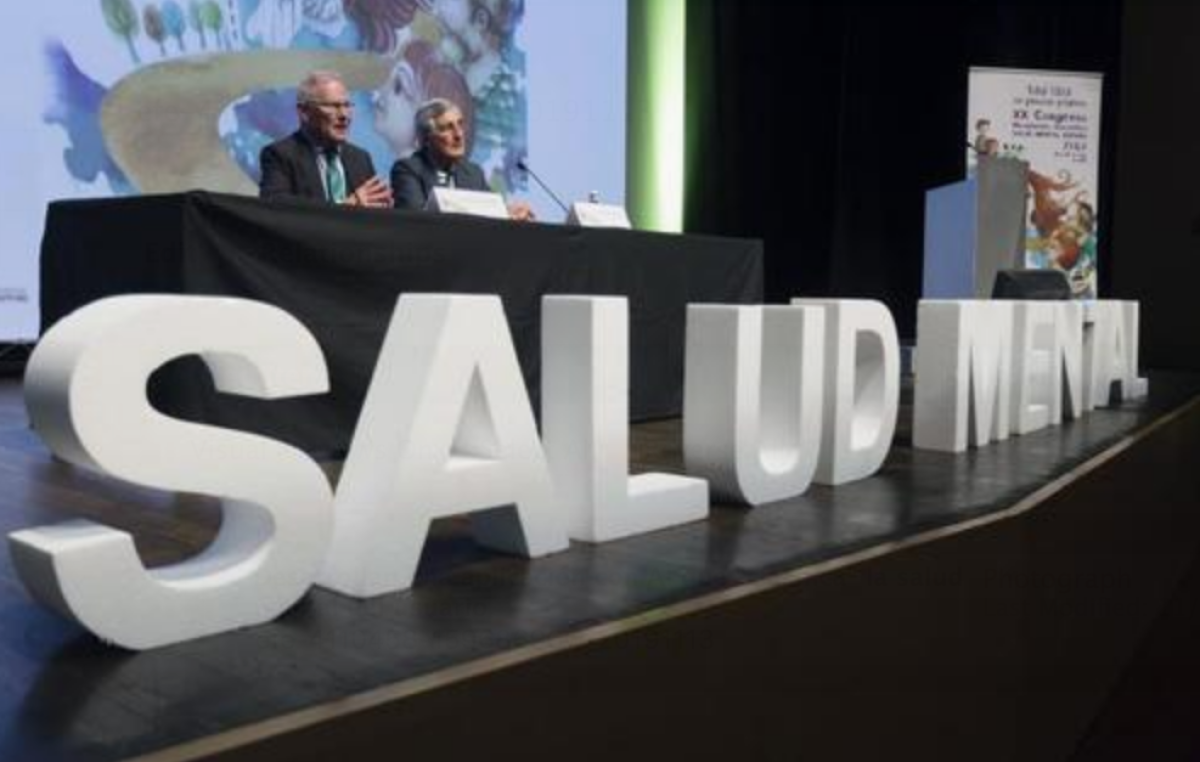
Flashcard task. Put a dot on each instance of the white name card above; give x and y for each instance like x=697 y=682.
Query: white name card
x=590 y=215
x=459 y=201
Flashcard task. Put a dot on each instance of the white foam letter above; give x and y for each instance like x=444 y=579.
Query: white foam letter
x=963 y=368
x=585 y=426
x=1131 y=314
x=1107 y=354
x=1070 y=344
x=862 y=388
x=85 y=389
x=1037 y=368
x=752 y=399
x=445 y=429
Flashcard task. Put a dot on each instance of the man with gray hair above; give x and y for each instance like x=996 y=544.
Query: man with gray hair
x=316 y=161
x=443 y=137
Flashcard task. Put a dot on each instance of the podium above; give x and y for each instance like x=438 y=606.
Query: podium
x=974 y=229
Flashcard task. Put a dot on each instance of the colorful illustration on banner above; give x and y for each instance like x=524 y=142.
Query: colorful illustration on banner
x=987 y=142
x=465 y=50
x=984 y=143
x=1062 y=230
x=1050 y=121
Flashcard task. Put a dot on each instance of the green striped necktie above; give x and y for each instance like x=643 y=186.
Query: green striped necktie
x=335 y=177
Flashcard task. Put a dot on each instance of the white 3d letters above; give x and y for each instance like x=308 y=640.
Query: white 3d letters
x=1060 y=363
x=862 y=388
x=1070 y=343
x=85 y=391
x=1131 y=312
x=585 y=427
x=775 y=397
x=1037 y=370
x=446 y=429
x=963 y=368
x=1110 y=353
x=752 y=399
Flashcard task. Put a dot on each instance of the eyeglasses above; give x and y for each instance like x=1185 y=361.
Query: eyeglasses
x=332 y=105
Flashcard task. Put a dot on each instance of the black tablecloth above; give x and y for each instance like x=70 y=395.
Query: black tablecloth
x=340 y=271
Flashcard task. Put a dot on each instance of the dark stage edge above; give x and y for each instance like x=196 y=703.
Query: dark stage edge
x=335 y=670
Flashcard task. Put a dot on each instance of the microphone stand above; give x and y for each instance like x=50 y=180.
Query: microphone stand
x=521 y=165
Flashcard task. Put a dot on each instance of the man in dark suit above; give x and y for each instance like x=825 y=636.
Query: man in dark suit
x=316 y=161
x=441 y=161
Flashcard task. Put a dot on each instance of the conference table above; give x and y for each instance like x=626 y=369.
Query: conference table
x=340 y=271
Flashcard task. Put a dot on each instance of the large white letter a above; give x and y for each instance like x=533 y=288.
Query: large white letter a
x=446 y=429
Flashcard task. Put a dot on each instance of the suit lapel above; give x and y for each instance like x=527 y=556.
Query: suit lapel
x=306 y=163
x=358 y=167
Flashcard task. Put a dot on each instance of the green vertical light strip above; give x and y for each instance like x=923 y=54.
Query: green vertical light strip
x=656 y=71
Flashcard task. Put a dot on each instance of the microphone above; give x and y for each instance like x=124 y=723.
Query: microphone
x=521 y=165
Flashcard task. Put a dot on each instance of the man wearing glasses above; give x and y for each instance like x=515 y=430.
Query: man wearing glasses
x=316 y=162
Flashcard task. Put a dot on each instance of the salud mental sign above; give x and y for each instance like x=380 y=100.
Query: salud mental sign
x=776 y=397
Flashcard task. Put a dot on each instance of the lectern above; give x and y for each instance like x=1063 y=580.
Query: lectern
x=975 y=228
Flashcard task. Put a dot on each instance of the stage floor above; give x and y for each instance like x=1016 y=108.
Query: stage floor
x=66 y=696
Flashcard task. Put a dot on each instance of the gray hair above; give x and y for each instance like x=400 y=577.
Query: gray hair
x=306 y=91
x=428 y=113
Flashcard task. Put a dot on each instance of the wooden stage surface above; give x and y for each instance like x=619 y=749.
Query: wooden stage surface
x=472 y=613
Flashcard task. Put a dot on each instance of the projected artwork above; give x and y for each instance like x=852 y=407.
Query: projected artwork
x=208 y=83
x=130 y=97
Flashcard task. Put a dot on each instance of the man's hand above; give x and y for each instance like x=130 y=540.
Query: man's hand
x=521 y=212
x=373 y=193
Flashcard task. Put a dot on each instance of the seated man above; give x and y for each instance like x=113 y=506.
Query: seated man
x=441 y=160
x=315 y=161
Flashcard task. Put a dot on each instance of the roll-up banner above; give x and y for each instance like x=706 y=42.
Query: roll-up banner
x=1051 y=120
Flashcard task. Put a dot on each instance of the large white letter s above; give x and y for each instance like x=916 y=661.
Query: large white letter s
x=86 y=394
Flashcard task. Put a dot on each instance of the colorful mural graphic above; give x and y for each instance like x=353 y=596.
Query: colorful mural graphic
x=465 y=50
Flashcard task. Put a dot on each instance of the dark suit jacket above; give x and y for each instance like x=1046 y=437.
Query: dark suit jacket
x=289 y=169
x=414 y=178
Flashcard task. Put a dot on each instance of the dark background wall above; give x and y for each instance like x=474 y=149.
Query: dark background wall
x=1156 y=241
x=819 y=127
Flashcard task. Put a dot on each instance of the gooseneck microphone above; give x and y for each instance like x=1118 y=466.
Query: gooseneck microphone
x=521 y=165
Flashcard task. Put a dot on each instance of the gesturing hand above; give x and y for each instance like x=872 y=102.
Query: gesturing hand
x=373 y=193
x=521 y=211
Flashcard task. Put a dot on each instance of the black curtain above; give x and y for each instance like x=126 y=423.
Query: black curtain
x=818 y=127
